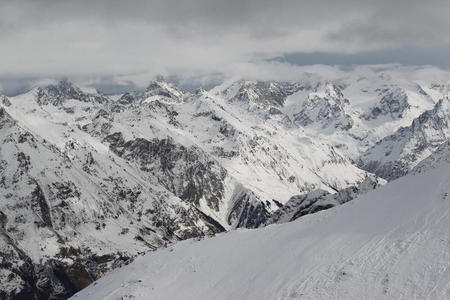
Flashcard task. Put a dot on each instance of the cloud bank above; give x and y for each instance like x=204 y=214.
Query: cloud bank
x=131 y=40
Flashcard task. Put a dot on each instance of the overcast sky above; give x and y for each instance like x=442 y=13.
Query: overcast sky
x=114 y=43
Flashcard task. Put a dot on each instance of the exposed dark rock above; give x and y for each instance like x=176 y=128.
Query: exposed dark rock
x=394 y=102
x=187 y=172
x=247 y=210
x=40 y=202
x=4 y=100
x=318 y=200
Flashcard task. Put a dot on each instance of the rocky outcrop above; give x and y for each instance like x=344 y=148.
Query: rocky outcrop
x=187 y=172
x=319 y=200
x=4 y=100
x=247 y=211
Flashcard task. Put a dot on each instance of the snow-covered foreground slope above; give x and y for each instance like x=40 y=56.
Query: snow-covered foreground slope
x=392 y=243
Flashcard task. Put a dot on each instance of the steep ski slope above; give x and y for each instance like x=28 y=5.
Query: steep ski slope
x=392 y=243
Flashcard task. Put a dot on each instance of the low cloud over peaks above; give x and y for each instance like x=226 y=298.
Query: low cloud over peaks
x=49 y=38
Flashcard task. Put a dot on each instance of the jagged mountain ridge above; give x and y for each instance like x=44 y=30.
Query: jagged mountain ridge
x=397 y=154
x=220 y=162
x=99 y=194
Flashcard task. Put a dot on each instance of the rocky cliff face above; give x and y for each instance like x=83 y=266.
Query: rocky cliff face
x=186 y=172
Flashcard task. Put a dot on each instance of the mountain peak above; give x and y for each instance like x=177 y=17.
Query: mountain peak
x=264 y=93
x=160 y=87
x=64 y=90
x=333 y=91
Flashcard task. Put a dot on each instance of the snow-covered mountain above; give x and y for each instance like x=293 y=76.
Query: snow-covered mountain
x=392 y=243
x=69 y=214
x=88 y=182
x=397 y=154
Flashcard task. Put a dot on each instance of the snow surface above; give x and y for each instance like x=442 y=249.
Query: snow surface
x=392 y=243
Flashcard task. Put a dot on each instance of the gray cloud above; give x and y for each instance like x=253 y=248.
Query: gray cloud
x=436 y=56
x=129 y=40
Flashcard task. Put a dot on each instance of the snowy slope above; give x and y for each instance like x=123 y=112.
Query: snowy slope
x=392 y=243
